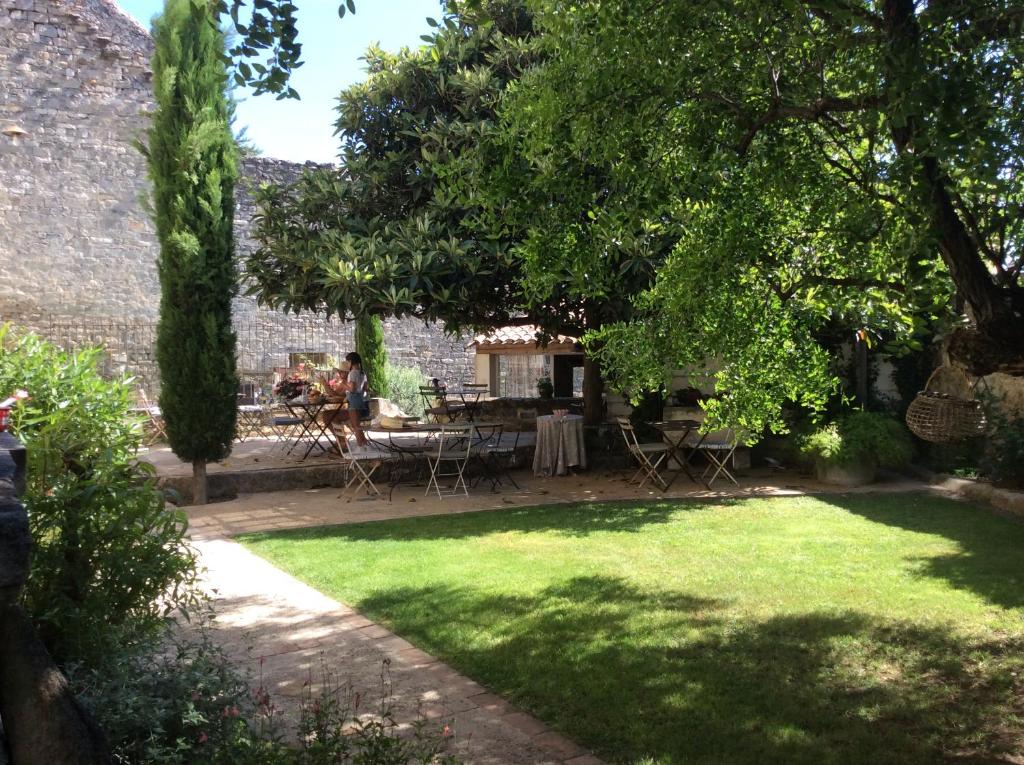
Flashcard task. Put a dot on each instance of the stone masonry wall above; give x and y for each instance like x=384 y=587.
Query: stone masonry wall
x=77 y=249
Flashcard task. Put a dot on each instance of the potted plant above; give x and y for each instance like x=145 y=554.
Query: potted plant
x=849 y=450
x=545 y=388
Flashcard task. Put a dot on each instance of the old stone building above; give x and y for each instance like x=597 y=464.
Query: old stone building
x=77 y=248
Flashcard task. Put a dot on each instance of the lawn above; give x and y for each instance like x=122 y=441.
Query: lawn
x=846 y=629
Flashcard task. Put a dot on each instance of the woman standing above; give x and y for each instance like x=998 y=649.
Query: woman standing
x=358 y=406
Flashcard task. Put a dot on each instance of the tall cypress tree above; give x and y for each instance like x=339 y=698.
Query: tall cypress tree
x=370 y=346
x=192 y=166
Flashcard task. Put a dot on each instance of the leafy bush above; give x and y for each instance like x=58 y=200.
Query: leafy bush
x=404 y=388
x=110 y=559
x=187 y=704
x=1003 y=456
x=857 y=437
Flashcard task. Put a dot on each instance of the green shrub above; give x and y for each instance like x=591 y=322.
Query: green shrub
x=110 y=559
x=1003 y=455
x=188 y=704
x=860 y=437
x=404 y=388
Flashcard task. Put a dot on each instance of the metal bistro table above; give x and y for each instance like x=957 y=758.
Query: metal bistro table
x=560 y=445
x=311 y=428
x=675 y=433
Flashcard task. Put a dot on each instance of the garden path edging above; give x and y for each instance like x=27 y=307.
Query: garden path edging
x=288 y=630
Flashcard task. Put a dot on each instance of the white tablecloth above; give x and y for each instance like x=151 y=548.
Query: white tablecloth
x=559 y=445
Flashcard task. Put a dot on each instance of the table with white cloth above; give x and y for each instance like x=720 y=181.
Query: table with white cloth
x=559 y=445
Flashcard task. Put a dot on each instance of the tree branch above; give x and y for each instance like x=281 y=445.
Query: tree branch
x=825 y=9
x=808 y=113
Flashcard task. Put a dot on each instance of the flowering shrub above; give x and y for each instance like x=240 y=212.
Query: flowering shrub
x=290 y=387
x=111 y=559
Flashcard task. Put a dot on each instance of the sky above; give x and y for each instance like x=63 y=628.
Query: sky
x=331 y=47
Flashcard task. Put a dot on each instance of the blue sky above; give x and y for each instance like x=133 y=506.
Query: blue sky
x=331 y=46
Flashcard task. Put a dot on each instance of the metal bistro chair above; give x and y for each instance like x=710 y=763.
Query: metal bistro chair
x=154 y=427
x=437 y=406
x=471 y=394
x=454 y=449
x=648 y=456
x=718 y=447
x=495 y=455
x=284 y=426
x=408 y=464
x=360 y=466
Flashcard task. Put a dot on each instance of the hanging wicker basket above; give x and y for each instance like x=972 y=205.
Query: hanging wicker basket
x=946 y=413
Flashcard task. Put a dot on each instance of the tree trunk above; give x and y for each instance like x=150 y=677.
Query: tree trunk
x=593 y=392
x=199 y=482
x=998 y=312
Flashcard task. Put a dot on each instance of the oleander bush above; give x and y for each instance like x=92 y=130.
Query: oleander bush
x=111 y=561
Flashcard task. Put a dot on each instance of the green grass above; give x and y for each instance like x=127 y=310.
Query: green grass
x=848 y=629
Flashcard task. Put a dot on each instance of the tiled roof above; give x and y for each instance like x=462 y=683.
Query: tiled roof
x=518 y=337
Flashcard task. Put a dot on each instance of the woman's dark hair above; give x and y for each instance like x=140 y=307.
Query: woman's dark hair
x=354 y=358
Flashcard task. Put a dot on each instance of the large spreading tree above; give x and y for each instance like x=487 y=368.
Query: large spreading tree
x=436 y=211
x=192 y=166
x=821 y=162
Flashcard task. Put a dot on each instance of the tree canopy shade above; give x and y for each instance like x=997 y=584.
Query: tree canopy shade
x=192 y=165
x=820 y=162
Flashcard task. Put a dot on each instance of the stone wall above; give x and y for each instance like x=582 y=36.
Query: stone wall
x=77 y=249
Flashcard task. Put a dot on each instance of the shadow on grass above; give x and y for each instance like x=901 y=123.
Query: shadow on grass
x=990 y=562
x=565 y=519
x=635 y=674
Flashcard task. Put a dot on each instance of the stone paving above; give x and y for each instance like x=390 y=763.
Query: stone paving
x=265 y=613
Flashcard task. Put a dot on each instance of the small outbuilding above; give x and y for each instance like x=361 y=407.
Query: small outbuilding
x=510 y=361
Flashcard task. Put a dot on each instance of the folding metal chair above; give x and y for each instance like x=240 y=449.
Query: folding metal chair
x=454 y=448
x=471 y=393
x=648 y=456
x=155 y=427
x=437 y=405
x=249 y=423
x=408 y=464
x=360 y=465
x=496 y=455
x=284 y=426
x=718 y=447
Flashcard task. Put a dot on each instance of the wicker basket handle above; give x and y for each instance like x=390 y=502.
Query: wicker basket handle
x=961 y=375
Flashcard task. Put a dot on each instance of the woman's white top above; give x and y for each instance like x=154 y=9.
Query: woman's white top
x=357 y=380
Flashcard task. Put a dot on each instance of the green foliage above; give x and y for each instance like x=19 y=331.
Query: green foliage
x=192 y=165
x=391 y=235
x=805 y=178
x=404 y=388
x=189 y=704
x=110 y=559
x=860 y=437
x=370 y=347
x=1003 y=455
x=268 y=50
